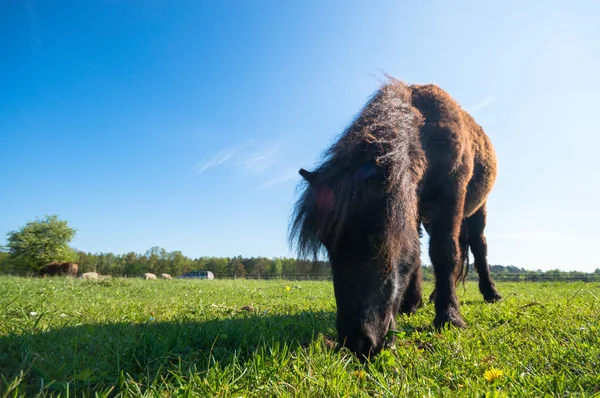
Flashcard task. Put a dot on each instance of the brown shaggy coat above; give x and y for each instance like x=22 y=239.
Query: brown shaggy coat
x=411 y=157
x=63 y=269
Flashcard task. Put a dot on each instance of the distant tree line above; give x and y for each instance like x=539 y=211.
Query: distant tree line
x=46 y=240
x=157 y=261
x=513 y=273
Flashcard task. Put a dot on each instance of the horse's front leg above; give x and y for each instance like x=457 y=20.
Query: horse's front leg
x=413 y=295
x=463 y=255
x=445 y=254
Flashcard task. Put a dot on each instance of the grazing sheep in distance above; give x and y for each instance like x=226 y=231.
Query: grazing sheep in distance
x=166 y=276
x=148 y=275
x=68 y=269
x=90 y=276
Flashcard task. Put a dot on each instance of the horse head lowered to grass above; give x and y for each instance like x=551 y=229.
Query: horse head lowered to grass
x=412 y=156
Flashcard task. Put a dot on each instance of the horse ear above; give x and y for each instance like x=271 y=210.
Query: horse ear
x=308 y=176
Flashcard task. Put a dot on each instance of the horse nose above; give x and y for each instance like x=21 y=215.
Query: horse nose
x=363 y=344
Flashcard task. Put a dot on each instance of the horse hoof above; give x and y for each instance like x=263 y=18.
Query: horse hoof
x=411 y=307
x=408 y=310
x=432 y=296
x=492 y=297
x=451 y=320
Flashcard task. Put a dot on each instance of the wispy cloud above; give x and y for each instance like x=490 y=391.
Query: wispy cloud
x=484 y=103
x=217 y=159
x=34 y=26
x=287 y=176
x=260 y=161
x=253 y=161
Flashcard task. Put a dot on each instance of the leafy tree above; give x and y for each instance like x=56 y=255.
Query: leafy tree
x=41 y=242
x=200 y=264
x=109 y=264
x=132 y=266
x=86 y=261
x=289 y=266
x=178 y=263
x=218 y=266
x=5 y=263
x=276 y=267
x=157 y=258
x=236 y=268
x=258 y=267
x=304 y=267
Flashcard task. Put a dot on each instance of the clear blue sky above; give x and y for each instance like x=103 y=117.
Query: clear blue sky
x=183 y=124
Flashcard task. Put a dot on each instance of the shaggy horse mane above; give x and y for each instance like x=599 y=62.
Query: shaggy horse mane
x=382 y=141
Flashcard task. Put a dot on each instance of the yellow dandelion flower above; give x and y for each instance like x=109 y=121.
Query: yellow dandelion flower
x=361 y=374
x=493 y=374
x=288 y=288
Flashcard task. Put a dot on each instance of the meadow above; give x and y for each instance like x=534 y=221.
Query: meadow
x=129 y=337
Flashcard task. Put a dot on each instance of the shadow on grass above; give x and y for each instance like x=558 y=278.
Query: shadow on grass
x=99 y=356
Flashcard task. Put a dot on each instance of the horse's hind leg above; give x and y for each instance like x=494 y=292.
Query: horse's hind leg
x=426 y=226
x=477 y=242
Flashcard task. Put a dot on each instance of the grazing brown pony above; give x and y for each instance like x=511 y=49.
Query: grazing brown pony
x=67 y=269
x=411 y=156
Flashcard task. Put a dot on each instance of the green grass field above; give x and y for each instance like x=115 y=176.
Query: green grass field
x=275 y=338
